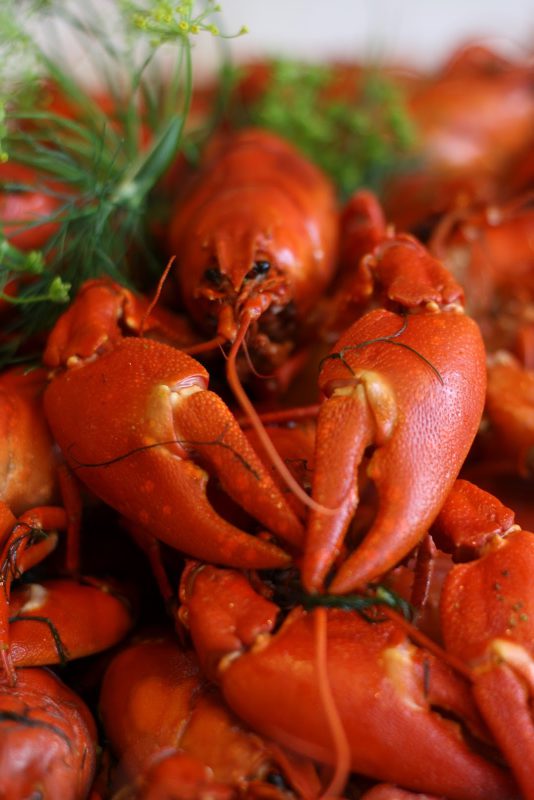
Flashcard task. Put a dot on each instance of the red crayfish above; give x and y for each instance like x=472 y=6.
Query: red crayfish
x=255 y=240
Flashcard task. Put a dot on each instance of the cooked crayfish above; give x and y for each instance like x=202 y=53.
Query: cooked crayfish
x=473 y=122
x=255 y=240
x=328 y=692
x=491 y=252
x=54 y=620
x=190 y=736
x=28 y=465
x=487 y=608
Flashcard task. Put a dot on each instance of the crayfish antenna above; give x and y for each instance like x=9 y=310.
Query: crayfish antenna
x=339 y=737
x=256 y=423
x=153 y=303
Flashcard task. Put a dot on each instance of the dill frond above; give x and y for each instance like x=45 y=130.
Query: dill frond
x=96 y=153
x=358 y=133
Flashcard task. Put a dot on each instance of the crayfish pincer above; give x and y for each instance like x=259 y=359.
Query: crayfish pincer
x=412 y=388
x=54 y=620
x=405 y=385
x=385 y=690
x=136 y=422
x=190 y=746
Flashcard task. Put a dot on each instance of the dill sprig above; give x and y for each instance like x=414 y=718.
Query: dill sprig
x=287 y=592
x=97 y=153
x=363 y=604
x=168 y=21
x=358 y=135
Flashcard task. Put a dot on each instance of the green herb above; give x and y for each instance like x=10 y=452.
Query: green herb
x=362 y=603
x=358 y=135
x=288 y=592
x=98 y=153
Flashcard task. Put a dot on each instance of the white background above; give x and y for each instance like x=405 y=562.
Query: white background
x=420 y=32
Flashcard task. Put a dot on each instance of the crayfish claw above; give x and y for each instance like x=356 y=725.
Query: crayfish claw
x=421 y=420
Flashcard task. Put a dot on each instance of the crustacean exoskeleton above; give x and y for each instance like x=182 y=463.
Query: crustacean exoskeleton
x=490 y=249
x=60 y=619
x=256 y=241
x=53 y=620
x=28 y=464
x=473 y=121
x=25 y=216
x=386 y=791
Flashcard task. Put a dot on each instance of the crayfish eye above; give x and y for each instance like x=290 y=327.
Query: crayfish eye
x=260 y=268
x=213 y=275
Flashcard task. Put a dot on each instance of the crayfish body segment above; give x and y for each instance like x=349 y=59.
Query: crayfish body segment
x=486 y=609
x=188 y=716
x=28 y=469
x=190 y=744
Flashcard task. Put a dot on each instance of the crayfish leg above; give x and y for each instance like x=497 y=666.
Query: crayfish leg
x=505 y=702
x=26 y=542
x=493 y=593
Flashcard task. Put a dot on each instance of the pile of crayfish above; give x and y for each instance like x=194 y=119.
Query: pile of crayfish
x=288 y=587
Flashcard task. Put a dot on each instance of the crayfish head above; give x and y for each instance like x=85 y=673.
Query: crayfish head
x=247 y=258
